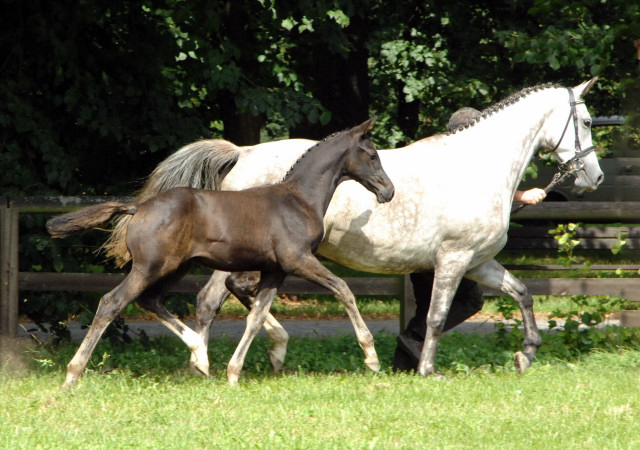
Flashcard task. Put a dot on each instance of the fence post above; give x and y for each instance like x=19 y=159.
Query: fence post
x=8 y=269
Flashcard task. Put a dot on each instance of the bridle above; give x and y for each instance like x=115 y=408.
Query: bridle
x=574 y=164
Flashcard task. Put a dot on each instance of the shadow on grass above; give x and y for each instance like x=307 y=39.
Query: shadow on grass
x=458 y=353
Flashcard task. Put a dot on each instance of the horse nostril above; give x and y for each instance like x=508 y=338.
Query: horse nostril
x=600 y=180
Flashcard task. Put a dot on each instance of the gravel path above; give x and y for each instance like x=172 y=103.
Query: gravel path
x=233 y=329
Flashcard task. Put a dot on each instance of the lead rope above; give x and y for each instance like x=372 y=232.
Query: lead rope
x=558 y=178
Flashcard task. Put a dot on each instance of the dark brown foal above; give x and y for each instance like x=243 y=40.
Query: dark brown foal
x=274 y=230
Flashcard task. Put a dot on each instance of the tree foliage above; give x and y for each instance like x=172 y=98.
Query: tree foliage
x=94 y=94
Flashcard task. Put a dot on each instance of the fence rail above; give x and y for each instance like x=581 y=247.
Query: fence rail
x=12 y=281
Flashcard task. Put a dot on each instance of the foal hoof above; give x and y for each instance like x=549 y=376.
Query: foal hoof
x=276 y=361
x=521 y=362
x=200 y=372
x=373 y=365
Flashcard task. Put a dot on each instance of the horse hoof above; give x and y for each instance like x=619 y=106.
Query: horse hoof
x=200 y=372
x=233 y=379
x=433 y=374
x=373 y=364
x=521 y=362
x=276 y=361
x=66 y=386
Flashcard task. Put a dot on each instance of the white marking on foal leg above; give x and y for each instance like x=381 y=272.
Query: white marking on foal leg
x=365 y=338
x=192 y=340
x=279 y=338
x=209 y=301
x=255 y=320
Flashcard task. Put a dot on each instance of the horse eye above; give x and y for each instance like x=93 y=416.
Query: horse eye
x=587 y=123
x=373 y=156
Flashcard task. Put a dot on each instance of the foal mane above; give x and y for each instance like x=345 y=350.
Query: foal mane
x=307 y=151
x=510 y=100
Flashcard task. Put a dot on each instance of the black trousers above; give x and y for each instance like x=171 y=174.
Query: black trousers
x=467 y=301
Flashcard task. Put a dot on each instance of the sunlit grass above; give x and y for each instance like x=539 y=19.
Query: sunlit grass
x=586 y=401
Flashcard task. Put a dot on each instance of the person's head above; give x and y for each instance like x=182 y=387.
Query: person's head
x=462 y=117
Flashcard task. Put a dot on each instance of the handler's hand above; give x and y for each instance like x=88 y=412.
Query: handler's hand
x=530 y=197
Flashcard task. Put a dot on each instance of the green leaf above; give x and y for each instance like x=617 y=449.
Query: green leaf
x=339 y=17
x=288 y=23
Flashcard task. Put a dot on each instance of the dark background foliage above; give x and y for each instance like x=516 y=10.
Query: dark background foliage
x=94 y=94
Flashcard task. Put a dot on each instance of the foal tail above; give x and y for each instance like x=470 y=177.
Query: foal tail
x=87 y=218
x=202 y=164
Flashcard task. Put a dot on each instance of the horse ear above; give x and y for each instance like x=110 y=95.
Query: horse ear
x=583 y=88
x=364 y=127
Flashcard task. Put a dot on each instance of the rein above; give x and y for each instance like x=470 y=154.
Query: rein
x=573 y=164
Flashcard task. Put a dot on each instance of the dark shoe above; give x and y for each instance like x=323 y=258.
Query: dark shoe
x=412 y=347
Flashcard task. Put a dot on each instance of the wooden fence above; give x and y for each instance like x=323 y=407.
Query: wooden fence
x=12 y=280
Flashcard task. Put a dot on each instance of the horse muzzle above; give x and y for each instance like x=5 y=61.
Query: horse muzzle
x=385 y=195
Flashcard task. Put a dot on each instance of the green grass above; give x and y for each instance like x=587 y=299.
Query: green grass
x=142 y=397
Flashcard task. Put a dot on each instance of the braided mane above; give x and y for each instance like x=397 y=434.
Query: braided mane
x=510 y=100
x=309 y=151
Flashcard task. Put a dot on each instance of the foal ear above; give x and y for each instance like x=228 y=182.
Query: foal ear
x=364 y=127
x=583 y=88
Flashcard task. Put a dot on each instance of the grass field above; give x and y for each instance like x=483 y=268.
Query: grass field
x=139 y=395
x=582 y=391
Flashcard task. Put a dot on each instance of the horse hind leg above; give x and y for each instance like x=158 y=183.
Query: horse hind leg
x=493 y=275
x=244 y=285
x=200 y=360
x=151 y=301
x=269 y=284
x=208 y=303
x=111 y=304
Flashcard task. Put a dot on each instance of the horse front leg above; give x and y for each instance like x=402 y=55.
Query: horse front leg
x=493 y=275
x=244 y=285
x=447 y=275
x=309 y=268
x=269 y=285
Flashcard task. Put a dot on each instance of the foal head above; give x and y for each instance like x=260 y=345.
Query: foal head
x=362 y=162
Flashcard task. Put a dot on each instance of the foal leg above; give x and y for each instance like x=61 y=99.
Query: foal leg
x=493 y=275
x=245 y=285
x=152 y=302
x=208 y=303
x=309 y=268
x=109 y=307
x=269 y=284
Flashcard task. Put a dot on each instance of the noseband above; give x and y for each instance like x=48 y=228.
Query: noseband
x=574 y=164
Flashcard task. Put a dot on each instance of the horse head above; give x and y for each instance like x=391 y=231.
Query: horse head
x=574 y=148
x=363 y=164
